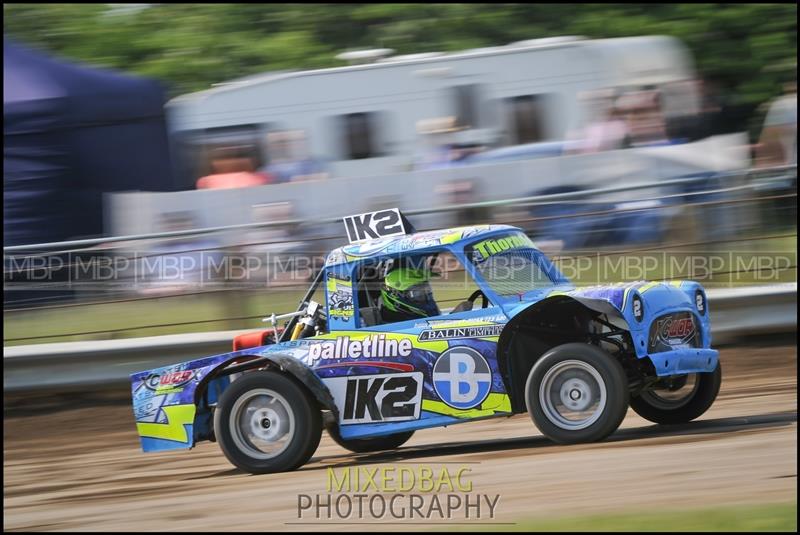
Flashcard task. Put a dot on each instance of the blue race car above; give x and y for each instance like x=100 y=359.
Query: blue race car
x=380 y=359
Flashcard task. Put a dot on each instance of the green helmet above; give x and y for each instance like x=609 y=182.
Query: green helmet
x=406 y=294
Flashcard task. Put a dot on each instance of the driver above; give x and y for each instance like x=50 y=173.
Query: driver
x=406 y=295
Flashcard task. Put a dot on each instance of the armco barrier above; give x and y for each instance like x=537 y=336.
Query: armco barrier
x=93 y=365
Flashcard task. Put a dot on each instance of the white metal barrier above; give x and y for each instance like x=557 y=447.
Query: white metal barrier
x=734 y=312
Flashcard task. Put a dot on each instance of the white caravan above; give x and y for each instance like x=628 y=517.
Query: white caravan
x=364 y=120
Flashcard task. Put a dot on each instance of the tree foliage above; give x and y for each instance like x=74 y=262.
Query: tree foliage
x=750 y=49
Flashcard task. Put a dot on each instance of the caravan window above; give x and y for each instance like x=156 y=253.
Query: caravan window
x=465 y=98
x=527 y=119
x=360 y=135
x=197 y=149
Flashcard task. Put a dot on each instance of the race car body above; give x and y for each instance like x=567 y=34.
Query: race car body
x=574 y=358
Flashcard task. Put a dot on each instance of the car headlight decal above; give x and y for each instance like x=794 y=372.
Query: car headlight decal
x=638 y=307
x=700 y=302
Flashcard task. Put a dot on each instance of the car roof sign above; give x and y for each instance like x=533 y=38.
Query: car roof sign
x=375 y=225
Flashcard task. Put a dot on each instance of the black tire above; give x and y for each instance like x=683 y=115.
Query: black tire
x=591 y=370
x=367 y=445
x=700 y=401
x=300 y=443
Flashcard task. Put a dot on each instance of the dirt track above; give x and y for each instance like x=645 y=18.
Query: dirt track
x=82 y=469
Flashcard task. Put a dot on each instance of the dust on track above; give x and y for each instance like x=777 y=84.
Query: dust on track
x=82 y=468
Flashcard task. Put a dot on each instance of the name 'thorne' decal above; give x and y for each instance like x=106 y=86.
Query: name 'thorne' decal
x=377 y=398
x=374 y=225
x=493 y=246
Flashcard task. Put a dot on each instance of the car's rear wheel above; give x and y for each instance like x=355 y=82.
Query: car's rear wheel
x=367 y=445
x=680 y=399
x=577 y=393
x=266 y=423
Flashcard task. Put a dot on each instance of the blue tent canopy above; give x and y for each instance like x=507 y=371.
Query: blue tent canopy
x=70 y=134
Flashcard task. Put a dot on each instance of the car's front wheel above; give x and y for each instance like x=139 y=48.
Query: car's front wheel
x=577 y=393
x=678 y=400
x=266 y=423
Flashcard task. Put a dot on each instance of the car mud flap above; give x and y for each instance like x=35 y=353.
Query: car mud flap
x=180 y=417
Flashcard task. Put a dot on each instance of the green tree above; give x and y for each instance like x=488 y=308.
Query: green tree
x=750 y=48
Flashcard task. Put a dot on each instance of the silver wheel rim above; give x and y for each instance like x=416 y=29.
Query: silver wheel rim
x=666 y=399
x=572 y=395
x=262 y=423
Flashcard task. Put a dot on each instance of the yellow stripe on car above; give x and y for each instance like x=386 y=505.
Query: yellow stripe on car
x=649 y=286
x=492 y=404
x=178 y=416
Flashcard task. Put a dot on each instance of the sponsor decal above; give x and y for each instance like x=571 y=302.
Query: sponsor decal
x=340 y=297
x=148 y=409
x=392 y=397
x=673 y=330
x=418 y=242
x=170 y=380
x=373 y=346
x=374 y=225
x=479 y=331
x=471 y=231
x=359 y=250
x=486 y=248
x=462 y=377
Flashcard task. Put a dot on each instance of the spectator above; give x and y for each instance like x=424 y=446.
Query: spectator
x=610 y=131
x=436 y=137
x=232 y=170
x=644 y=117
x=290 y=160
x=778 y=142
